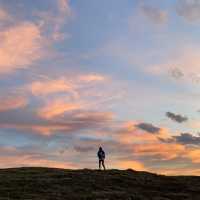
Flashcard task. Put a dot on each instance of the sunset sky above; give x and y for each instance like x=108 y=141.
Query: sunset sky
x=121 y=74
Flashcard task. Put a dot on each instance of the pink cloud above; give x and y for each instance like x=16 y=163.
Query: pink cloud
x=21 y=45
x=64 y=7
x=55 y=22
x=4 y=16
x=63 y=85
x=51 y=86
x=12 y=102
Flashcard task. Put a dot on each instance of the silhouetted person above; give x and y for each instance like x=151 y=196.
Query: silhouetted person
x=101 y=156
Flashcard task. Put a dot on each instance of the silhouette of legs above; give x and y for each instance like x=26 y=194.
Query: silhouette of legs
x=101 y=163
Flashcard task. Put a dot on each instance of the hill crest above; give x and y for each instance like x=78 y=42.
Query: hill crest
x=60 y=184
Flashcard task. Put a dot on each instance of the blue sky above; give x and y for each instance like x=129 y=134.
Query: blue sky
x=77 y=74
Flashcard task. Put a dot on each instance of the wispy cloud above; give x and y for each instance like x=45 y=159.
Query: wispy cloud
x=17 y=157
x=181 y=63
x=21 y=45
x=189 y=9
x=154 y=14
x=11 y=102
x=58 y=107
x=92 y=77
x=4 y=16
x=54 y=22
x=46 y=87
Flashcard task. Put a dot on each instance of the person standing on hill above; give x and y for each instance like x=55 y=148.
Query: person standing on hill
x=101 y=156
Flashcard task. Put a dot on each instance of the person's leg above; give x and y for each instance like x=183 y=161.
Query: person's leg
x=103 y=165
x=99 y=164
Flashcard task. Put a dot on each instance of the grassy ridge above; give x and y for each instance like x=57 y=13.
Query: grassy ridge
x=59 y=184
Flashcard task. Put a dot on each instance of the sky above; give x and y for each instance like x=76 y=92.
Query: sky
x=79 y=74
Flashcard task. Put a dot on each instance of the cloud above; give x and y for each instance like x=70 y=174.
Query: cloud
x=85 y=149
x=189 y=10
x=64 y=7
x=130 y=164
x=25 y=120
x=92 y=78
x=61 y=95
x=187 y=138
x=181 y=62
x=48 y=86
x=176 y=117
x=57 y=107
x=29 y=161
x=129 y=132
x=193 y=154
x=159 y=151
x=176 y=73
x=12 y=102
x=183 y=138
x=155 y=15
x=148 y=127
x=73 y=86
x=4 y=16
x=53 y=23
x=17 y=157
x=94 y=116
x=21 y=45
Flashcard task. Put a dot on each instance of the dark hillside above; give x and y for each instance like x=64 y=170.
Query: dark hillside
x=58 y=184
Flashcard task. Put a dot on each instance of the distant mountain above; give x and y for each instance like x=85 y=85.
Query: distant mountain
x=61 y=184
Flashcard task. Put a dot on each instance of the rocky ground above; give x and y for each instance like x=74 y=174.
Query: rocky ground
x=58 y=184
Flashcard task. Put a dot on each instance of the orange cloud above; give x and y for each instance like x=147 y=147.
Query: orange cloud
x=20 y=46
x=130 y=133
x=163 y=151
x=194 y=155
x=92 y=77
x=56 y=108
x=177 y=170
x=31 y=161
x=12 y=102
x=130 y=164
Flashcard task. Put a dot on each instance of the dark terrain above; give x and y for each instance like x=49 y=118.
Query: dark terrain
x=60 y=184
